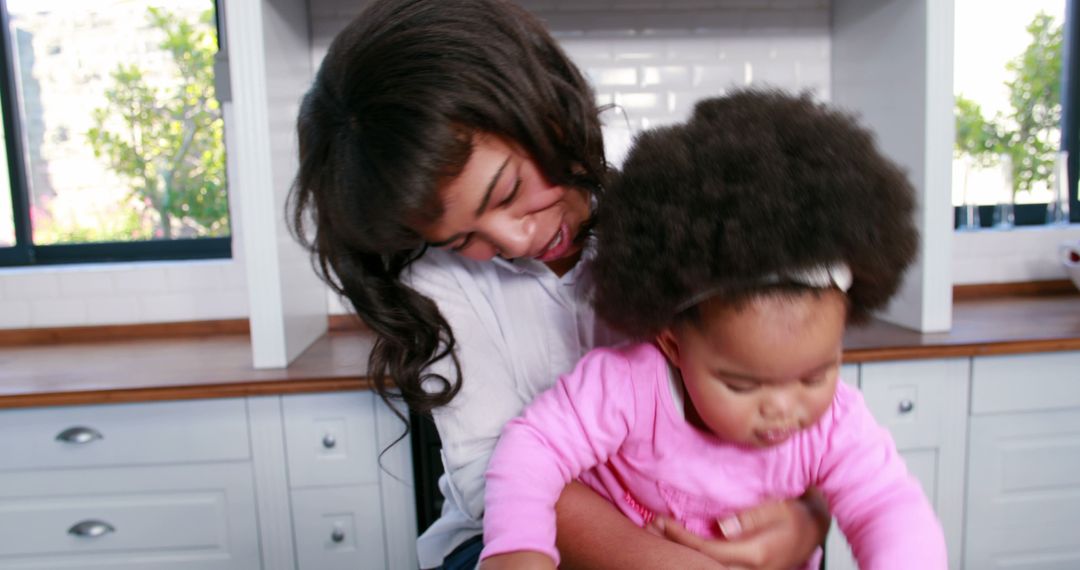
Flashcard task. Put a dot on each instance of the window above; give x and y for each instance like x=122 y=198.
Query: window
x=1016 y=86
x=114 y=136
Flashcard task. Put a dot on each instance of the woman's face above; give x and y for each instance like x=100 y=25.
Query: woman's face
x=501 y=204
x=758 y=374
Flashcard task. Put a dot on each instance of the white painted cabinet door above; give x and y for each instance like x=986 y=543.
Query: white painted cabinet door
x=923 y=404
x=79 y=437
x=1023 y=495
x=352 y=503
x=331 y=439
x=168 y=517
x=339 y=528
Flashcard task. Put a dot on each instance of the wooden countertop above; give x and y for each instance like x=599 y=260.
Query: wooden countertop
x=219 y=365
x=981 y=326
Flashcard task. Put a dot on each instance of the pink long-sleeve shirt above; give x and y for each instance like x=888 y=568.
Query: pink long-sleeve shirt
x=615 y=423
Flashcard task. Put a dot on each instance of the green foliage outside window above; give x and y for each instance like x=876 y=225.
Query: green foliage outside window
x=1030 y=135
x=168 y=143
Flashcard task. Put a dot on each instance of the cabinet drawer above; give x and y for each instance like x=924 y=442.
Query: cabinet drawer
x=1025 y=382
x=339 y=528
x=331 y=439
x=910 y=398
x=129 y=434
x=163 y=517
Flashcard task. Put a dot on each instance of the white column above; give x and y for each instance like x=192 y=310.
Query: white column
x=270 y=67
x=892 y=65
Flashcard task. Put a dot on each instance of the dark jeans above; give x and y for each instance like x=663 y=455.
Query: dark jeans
x=466 y=556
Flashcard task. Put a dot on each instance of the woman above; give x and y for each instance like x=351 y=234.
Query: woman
x=450 y=154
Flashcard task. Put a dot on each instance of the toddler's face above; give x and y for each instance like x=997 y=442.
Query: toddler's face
x=756 y=375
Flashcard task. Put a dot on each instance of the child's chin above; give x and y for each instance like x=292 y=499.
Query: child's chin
x=771 y=438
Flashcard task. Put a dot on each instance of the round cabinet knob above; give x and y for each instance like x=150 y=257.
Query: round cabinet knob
x=91 y=528
x=906 y=406
x=338 y=535
x=79 y=435
x=329 y=441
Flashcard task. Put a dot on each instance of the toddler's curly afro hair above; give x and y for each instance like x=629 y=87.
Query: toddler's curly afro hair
x=756 y=183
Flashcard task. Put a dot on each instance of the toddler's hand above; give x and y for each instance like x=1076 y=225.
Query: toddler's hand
x=777 y=535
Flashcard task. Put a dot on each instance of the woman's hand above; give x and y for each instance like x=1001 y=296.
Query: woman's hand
x=594 y=535
x=778 y=535
x=524 y=560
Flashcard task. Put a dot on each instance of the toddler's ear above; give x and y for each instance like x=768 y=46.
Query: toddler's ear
x=668 y=342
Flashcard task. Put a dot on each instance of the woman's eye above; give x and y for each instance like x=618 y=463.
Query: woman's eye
x=513 y=194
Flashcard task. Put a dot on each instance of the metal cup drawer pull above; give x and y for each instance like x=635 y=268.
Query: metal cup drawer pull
x=91 y=528
x=905 y=407
x=329 y=441
x=79 y=435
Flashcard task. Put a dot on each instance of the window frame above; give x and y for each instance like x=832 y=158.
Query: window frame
x=1070 y=113
x=25 y=252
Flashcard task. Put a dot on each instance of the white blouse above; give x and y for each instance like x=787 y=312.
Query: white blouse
x=518 y=326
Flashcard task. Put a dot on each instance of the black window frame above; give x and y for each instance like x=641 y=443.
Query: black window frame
x=25 y=252
x=1070 y=96
x=1034 y=215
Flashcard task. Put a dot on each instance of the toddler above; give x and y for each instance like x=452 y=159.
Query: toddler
x=736 y=246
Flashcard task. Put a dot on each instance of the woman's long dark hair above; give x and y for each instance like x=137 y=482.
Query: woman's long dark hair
x=390 y=116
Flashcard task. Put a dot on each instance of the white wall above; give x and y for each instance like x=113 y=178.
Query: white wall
x=122 y=293
x=654 y=58
x=1007 y=256
x=892 y=64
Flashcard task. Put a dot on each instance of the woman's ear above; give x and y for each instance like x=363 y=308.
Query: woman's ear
x=668 y=342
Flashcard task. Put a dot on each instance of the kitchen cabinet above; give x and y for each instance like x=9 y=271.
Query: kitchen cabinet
x=923 y=404
x=1023 y=495
x=334 y=483
x=191 y=517
x=150 y=486
x=1006 y=453
x=286 y=471
x=243 y=483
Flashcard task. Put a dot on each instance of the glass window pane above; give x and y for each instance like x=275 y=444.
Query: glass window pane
x=122 y=132
x=1007 y=82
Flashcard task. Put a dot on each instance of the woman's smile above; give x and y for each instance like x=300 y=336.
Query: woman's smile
x=557 y=247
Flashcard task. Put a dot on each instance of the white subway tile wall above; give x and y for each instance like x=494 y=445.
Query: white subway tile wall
x=81 y=295
x=15 y=314
x=652 y=58
x=1021 y=254
x=58 y=311
x=656 y=58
